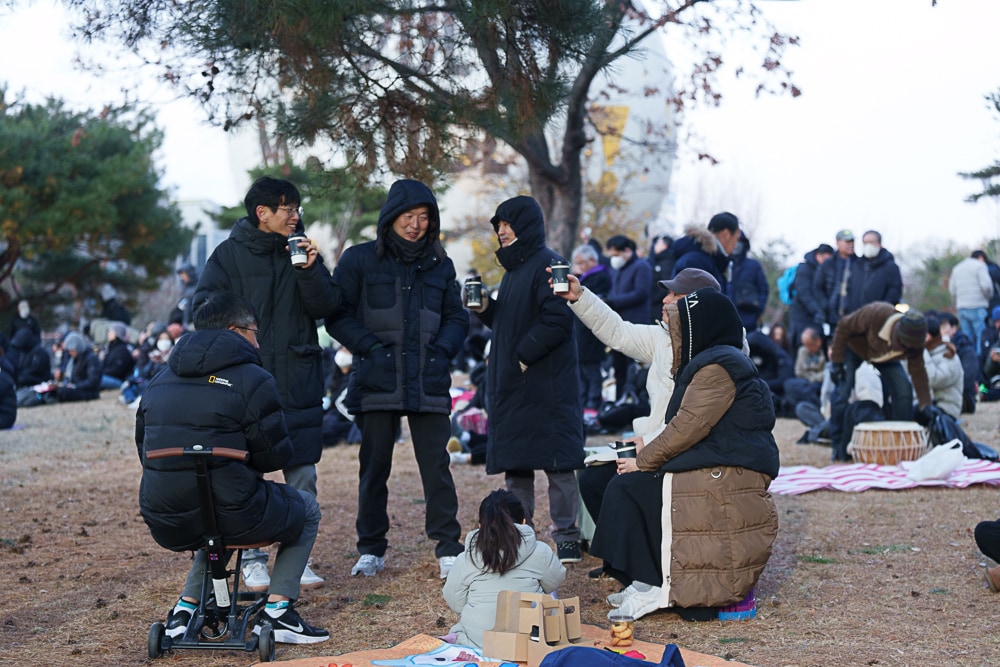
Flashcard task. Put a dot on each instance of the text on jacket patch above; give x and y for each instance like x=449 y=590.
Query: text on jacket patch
x=215 y=379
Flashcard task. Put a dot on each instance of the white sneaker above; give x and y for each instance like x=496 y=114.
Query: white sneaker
x=255 y=576
x=368 y=565
x=616 y=599
x=636 y=604
x=310 y=579
x=460 y=457
x=446 y=563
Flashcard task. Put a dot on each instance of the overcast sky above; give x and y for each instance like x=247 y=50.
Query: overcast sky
x=892 y=109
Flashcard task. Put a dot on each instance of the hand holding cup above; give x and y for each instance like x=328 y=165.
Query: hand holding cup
x=574 y=290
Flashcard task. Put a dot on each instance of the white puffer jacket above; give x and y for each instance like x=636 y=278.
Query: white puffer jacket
x=945 y=375
x=646 y=343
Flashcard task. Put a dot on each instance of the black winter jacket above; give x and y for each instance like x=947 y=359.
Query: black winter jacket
x=748 y=290
x=214 y=392
x=807 y=307
x=31 y=360
x=589 y=348
x=8 y=401
x=699 y=249
x=536 y=416
x=86 y=375
x=413 y=308
x=630 y=290
x=878 y=280
x=827 y=286
x=289 y=303
x=118 y=360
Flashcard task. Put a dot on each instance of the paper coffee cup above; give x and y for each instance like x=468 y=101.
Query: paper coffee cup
x=560 y=273
x=299 y=255
x=625 y=450
x=473 y=292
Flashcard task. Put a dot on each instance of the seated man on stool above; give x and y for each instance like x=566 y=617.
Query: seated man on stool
x=215 y=393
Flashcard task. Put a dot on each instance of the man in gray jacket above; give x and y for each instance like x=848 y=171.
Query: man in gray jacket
x=971 y=288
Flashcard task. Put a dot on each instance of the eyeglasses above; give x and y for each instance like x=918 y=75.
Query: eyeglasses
x=253 y=331
x=291 y=210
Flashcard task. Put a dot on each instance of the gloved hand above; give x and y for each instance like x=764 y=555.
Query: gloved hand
x=925 y=415
x=838 y=373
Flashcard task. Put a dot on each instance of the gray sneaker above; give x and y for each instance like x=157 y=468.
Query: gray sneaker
x=368 y=565
x=310 y=579
x=255 y=576
x=616 y=599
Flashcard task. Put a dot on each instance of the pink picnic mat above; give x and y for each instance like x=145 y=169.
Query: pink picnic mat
x=794 y=480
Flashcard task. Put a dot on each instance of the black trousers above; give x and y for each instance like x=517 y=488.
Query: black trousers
x=593 y=481
x=430 y=433
x=988 y=538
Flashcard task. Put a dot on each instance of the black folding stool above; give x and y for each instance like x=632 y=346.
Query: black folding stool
x=219 y=621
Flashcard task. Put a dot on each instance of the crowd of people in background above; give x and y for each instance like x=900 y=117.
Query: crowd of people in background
x=666 y=344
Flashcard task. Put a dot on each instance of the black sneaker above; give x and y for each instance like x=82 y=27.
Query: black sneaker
x=289 y=628
x=177 y=623
x=568 y=552
x=597 y=573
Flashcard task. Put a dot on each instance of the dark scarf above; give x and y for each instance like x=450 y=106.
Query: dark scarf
x=406 y=251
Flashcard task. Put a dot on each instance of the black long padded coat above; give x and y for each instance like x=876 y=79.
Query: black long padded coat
x=214 y=392
x=535 y=417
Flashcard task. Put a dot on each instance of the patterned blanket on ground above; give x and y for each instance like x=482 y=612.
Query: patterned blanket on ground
x=794 y=480
x=426 y=650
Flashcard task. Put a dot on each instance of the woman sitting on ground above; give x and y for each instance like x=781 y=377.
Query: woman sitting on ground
x=695 y=497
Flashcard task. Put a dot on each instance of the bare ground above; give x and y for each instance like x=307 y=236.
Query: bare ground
x=875 y=578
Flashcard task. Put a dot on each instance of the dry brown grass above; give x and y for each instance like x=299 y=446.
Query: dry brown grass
x=874 y=578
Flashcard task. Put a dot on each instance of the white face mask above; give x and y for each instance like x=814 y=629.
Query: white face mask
x=163 y=344
x=871 y=250
x=617 y=262
x=23 y=310
x=343 y=359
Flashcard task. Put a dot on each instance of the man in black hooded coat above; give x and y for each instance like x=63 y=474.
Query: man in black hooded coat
x=402 y=318
x=532 y=384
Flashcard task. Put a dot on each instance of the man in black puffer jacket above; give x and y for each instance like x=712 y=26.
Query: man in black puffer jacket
x=214 y=392
x=402 y=317
x=254 y=263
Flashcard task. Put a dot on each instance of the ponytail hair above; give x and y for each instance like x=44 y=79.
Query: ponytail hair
x=499 y=539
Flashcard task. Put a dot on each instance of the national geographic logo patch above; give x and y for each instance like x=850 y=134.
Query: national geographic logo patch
x=215 y=379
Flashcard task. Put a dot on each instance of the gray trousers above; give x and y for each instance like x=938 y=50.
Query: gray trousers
x=564 y=501
x=302 y=478
x=288 y=564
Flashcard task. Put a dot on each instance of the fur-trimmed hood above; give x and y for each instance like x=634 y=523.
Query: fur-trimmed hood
x=701 y=237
